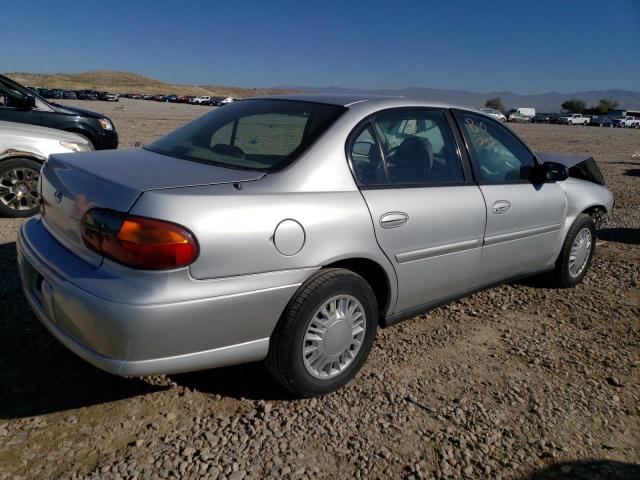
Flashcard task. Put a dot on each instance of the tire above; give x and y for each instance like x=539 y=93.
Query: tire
x=563 y=276
x=19 y=177
x=286 y=359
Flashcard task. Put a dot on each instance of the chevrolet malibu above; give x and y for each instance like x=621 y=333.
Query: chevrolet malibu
x=288 y=229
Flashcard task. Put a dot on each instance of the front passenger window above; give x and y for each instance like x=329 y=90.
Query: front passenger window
x=500 y=156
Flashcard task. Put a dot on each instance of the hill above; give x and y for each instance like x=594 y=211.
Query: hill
x=126 y=82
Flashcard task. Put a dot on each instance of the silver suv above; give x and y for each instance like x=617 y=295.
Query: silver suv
x=23 y=148
x=290 y=228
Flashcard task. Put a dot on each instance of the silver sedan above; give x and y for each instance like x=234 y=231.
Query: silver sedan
x=288 y=229
x=23 y=149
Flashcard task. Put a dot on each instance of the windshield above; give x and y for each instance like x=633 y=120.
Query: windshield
x=264 y=135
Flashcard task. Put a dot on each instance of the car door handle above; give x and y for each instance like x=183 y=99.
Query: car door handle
x=501 y=207
x=393 y=219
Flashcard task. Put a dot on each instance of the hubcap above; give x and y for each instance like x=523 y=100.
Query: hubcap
x=580 y=251
x=333 y=337
x=19 y=188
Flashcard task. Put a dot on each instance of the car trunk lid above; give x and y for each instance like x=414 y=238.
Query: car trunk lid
x=71 y=184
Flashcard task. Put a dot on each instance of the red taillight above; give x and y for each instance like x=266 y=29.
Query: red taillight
x=137 y=241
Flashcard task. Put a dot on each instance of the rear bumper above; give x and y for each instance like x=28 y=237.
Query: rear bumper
x=228 y=325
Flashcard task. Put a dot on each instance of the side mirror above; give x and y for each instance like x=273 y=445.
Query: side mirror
x=550 y=172
x=28 y=102
x=554 y=172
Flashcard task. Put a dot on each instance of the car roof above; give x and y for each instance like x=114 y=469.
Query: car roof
x=347 y=100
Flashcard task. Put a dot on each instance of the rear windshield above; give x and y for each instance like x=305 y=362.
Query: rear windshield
x=264 y=135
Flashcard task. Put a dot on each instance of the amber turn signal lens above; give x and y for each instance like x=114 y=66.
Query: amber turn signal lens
x=137 y=241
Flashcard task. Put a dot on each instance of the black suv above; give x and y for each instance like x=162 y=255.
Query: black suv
x=17 y=104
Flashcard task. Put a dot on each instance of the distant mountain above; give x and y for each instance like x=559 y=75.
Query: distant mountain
x=544 y=102
x=126 y=82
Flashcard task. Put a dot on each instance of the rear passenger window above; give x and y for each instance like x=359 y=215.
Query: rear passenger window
x=367 y=160
x=417 y=148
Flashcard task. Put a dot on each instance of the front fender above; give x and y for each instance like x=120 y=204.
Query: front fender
x=13 y=153
x=581 y=196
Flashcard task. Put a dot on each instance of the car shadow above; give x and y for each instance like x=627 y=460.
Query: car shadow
x=587 y=470
x=632 y=172
x=629 y=236
x=252 y=381
x=37 y=374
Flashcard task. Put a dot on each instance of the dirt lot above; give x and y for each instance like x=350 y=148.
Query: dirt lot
x=516 y=382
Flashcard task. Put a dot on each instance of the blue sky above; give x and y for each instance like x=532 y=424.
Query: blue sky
x=526 y=46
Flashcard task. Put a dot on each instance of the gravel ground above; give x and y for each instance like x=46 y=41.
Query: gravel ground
x=519 y=381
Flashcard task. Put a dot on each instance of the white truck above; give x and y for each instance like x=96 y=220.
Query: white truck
x=574 y=119
x=626 y=122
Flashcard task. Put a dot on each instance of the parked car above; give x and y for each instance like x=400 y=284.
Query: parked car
x=69 y=95
x=19 y=105
x=626 y=122
x=541 y=118
x=573 y=119
x=494 y=113
x=110 y=97
x=601 y=122
x=290 y=228
x=182 y=99
x=56 y=93
x=517 y=117
x=23 y=149
x=201 y=100
x=526 y=111
x=229 y=100
x=171 y=98
x=554 y=117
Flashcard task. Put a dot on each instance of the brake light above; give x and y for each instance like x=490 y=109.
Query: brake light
x=138 y=242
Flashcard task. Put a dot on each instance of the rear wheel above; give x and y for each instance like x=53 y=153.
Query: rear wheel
x=576 y=254
x=325 y=334
x=19 y=187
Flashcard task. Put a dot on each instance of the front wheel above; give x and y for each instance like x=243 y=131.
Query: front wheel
x=19 y=187
x=576 y=254
x=325 y=334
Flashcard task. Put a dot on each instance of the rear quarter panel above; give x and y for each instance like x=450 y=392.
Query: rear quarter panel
x=235 y=228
